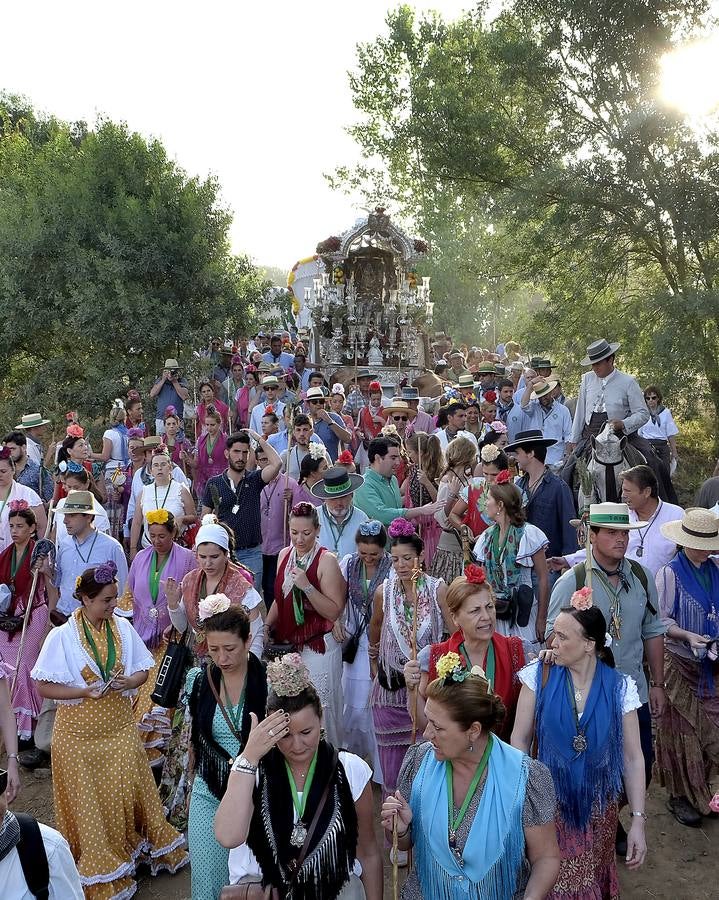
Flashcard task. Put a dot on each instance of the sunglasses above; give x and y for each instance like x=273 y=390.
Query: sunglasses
x=317 y=402
x=3 y=781
x=400 y=418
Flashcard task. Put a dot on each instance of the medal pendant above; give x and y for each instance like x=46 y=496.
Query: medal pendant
x=640 y=551
x=298 y=836
x=153 y=613
x=579 y=743
x=235 y=509
x=210 y=460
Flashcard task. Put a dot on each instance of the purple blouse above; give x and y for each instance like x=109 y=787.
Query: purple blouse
x=179 y=563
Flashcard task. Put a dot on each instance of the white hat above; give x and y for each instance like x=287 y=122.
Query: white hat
x=698 y=530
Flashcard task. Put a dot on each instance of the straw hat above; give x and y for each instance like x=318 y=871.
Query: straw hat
x=612 y=515
x=33 y=420
x=399 y=407
x=542 y=388
x=465 y=381
x=698 y=530
x=486 y=368
x=172 y=364
x=77 y=502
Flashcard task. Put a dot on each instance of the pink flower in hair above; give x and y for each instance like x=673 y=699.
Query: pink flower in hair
x=714 y=803
x=498 y=426
x=18 y=505
x=401 y=527
x=75 y=431
x=582 y=599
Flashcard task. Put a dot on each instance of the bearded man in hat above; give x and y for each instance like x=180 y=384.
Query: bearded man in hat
x=457 y=365
x=170 y=389
x=271 y=388
x=339 y=517
x=625 y=592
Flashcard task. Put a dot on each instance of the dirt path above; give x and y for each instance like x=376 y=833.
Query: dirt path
x=682 y=862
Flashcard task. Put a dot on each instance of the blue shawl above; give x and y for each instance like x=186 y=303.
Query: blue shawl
x=694 y=610
x=495 y=847
x=585 y=782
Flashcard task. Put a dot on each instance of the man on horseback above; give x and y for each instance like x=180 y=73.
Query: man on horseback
x=608 y=395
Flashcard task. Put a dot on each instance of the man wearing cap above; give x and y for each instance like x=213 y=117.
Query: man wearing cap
x=276 y=356
x=86 y=547
x=328 y=426
x=422 y=420
x=271 y=388
x=33 y=427
x=359 y=393
x=546 y=414
x=170 y=389
x=487 y=375
x=457 y=365
x=456 y=420
x=625 y=592
x=547 y=499
x=339 y=517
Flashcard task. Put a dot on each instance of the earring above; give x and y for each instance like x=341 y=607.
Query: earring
x=471 y=748
x=323 y=734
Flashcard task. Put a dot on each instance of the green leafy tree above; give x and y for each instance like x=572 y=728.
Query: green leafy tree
x=111 y=259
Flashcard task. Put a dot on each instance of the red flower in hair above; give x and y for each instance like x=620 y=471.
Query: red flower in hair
x=502 y=478
x=70 y=416
x=18 y=505
x=490 y=397
x=475 y=574
x=375 y=386
x=345 y=458
x=269 y=410
x=75 y=430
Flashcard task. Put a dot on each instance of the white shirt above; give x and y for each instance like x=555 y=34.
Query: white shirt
x=444 y=439
x=34 y=450
x=618 y=395
x=529 y=675
x=101 y=521
x=664 y=429
x=656 y=550
x=137 y=486
x=17 y=492
x=555 y=423
x=64 y=877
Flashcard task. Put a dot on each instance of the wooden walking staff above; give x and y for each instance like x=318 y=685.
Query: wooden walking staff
x=416 y=575
x=395 y=860
x=285 y=510
x=44 y=547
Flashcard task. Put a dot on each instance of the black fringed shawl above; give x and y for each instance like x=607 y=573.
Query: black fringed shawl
x=212 y=761
x=332 y=852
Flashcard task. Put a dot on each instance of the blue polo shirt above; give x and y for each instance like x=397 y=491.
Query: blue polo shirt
x=327 y=436
x=550 y=508
x=223 y=499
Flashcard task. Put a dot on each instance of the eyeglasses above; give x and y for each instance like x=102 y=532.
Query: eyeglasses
x=400 y=418
x=3 y=781
x=651 y=397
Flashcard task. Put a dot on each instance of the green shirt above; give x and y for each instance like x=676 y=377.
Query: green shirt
x=379 y=497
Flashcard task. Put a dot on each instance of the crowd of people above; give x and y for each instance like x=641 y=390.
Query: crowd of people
x=246 y=615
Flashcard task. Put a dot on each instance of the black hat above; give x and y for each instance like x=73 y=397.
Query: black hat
x=533 y=436
x=337 y=482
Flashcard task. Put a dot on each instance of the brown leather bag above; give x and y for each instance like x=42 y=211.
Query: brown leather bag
x=250 y=890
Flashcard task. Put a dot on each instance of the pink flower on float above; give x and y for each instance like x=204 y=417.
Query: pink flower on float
x=582 y=599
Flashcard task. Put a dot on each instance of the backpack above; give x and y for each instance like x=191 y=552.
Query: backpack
x=33 y=857
x=580 y=578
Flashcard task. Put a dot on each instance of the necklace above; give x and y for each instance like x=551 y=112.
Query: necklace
x=237 y=492
x=89 y=552
x=210 y=448
x=106 y=670
x=643 y=532
x=164 y=499
x=299 y=831
x=268 y=494
x=455 y=821
x=155 y=573
x=579 y=741
x=235 y=712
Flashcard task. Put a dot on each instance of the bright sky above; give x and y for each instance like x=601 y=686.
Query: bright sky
x=254 y=92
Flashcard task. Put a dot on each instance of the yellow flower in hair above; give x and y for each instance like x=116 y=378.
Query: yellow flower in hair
x=78 y=582
x=157 y=517
x=447 y=664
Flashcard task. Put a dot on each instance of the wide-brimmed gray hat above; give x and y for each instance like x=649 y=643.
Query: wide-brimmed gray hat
x=598 y=351
x=337 y=482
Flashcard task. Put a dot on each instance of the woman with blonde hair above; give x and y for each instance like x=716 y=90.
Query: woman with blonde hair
x=116 y=457
x=421 y=484
x=461 y=461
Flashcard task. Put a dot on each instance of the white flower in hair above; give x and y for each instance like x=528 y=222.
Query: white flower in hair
x=390 y=428
x=210 y=606
x=478 y=671
x=316 y=451
x=489 y=453
x=210 y=519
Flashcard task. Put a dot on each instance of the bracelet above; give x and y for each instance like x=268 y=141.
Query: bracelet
x=244 y=770
x=12 y=756
x=639 y=815
x=658 y=684
x=242 y=764
x=310 y=589
x=403 y=834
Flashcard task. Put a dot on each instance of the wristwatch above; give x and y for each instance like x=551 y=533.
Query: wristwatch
x=242 y=764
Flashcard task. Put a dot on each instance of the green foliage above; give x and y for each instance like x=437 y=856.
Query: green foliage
x=534 y=147
x=111 y=259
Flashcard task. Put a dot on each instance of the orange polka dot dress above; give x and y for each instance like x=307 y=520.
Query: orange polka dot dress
x=106 y=801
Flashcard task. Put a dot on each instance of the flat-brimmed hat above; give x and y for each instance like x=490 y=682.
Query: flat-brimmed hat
x=77 y=502
x=152 y=441
x=337 y=482
x=456 y=353
x=316 y=393
x=486 y=368
x=612 y=515
x=399 y=407
x=698 y=530
x=598 y=351
x=500 y=370
x=533 y=436
x=540 y=362
x=410 y=393
x=465 y=381
x=363 y=373
x=172 y=364
x=270 y=381
x=32 y=420
x=542 y=388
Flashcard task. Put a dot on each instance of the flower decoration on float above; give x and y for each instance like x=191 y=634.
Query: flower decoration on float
x=157 y=517
x=105 y=573
x=475 y=574
x=503 y=478
x=489 y=453
x=401 y=527
x=16 y=506
x=288 y=676
x=582 y=599
x=212 y=605
x=316 y=451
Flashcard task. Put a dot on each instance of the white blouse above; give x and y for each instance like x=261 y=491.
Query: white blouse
x=630 y=695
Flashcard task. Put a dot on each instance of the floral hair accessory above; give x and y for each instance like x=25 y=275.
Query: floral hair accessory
x=338 y=389
x=345 y=458
x=157 y=517
x=75 y=430
x=160 y=450
x=389 y=429
x=18 y=505
x=478 y=672
x=582 y=599
x=371 y=528
x=475 y=574
x=503 y=477
x=135 y=433
x=269 y=410
x=71 y=416
x=498 y=427
x=607 y=640
x=4 y=453
x=105 y=573
x=170 y=411
x=212 y=605
x=489 y=453
x=132 y=394
x=401 y=527
x=302 y=510
x=450 y=667
x=249 y=369
x=375 y=387
x=288 y=676
x=490 y=397
x=316 y=451
x=78 y=582
x=714 y=803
